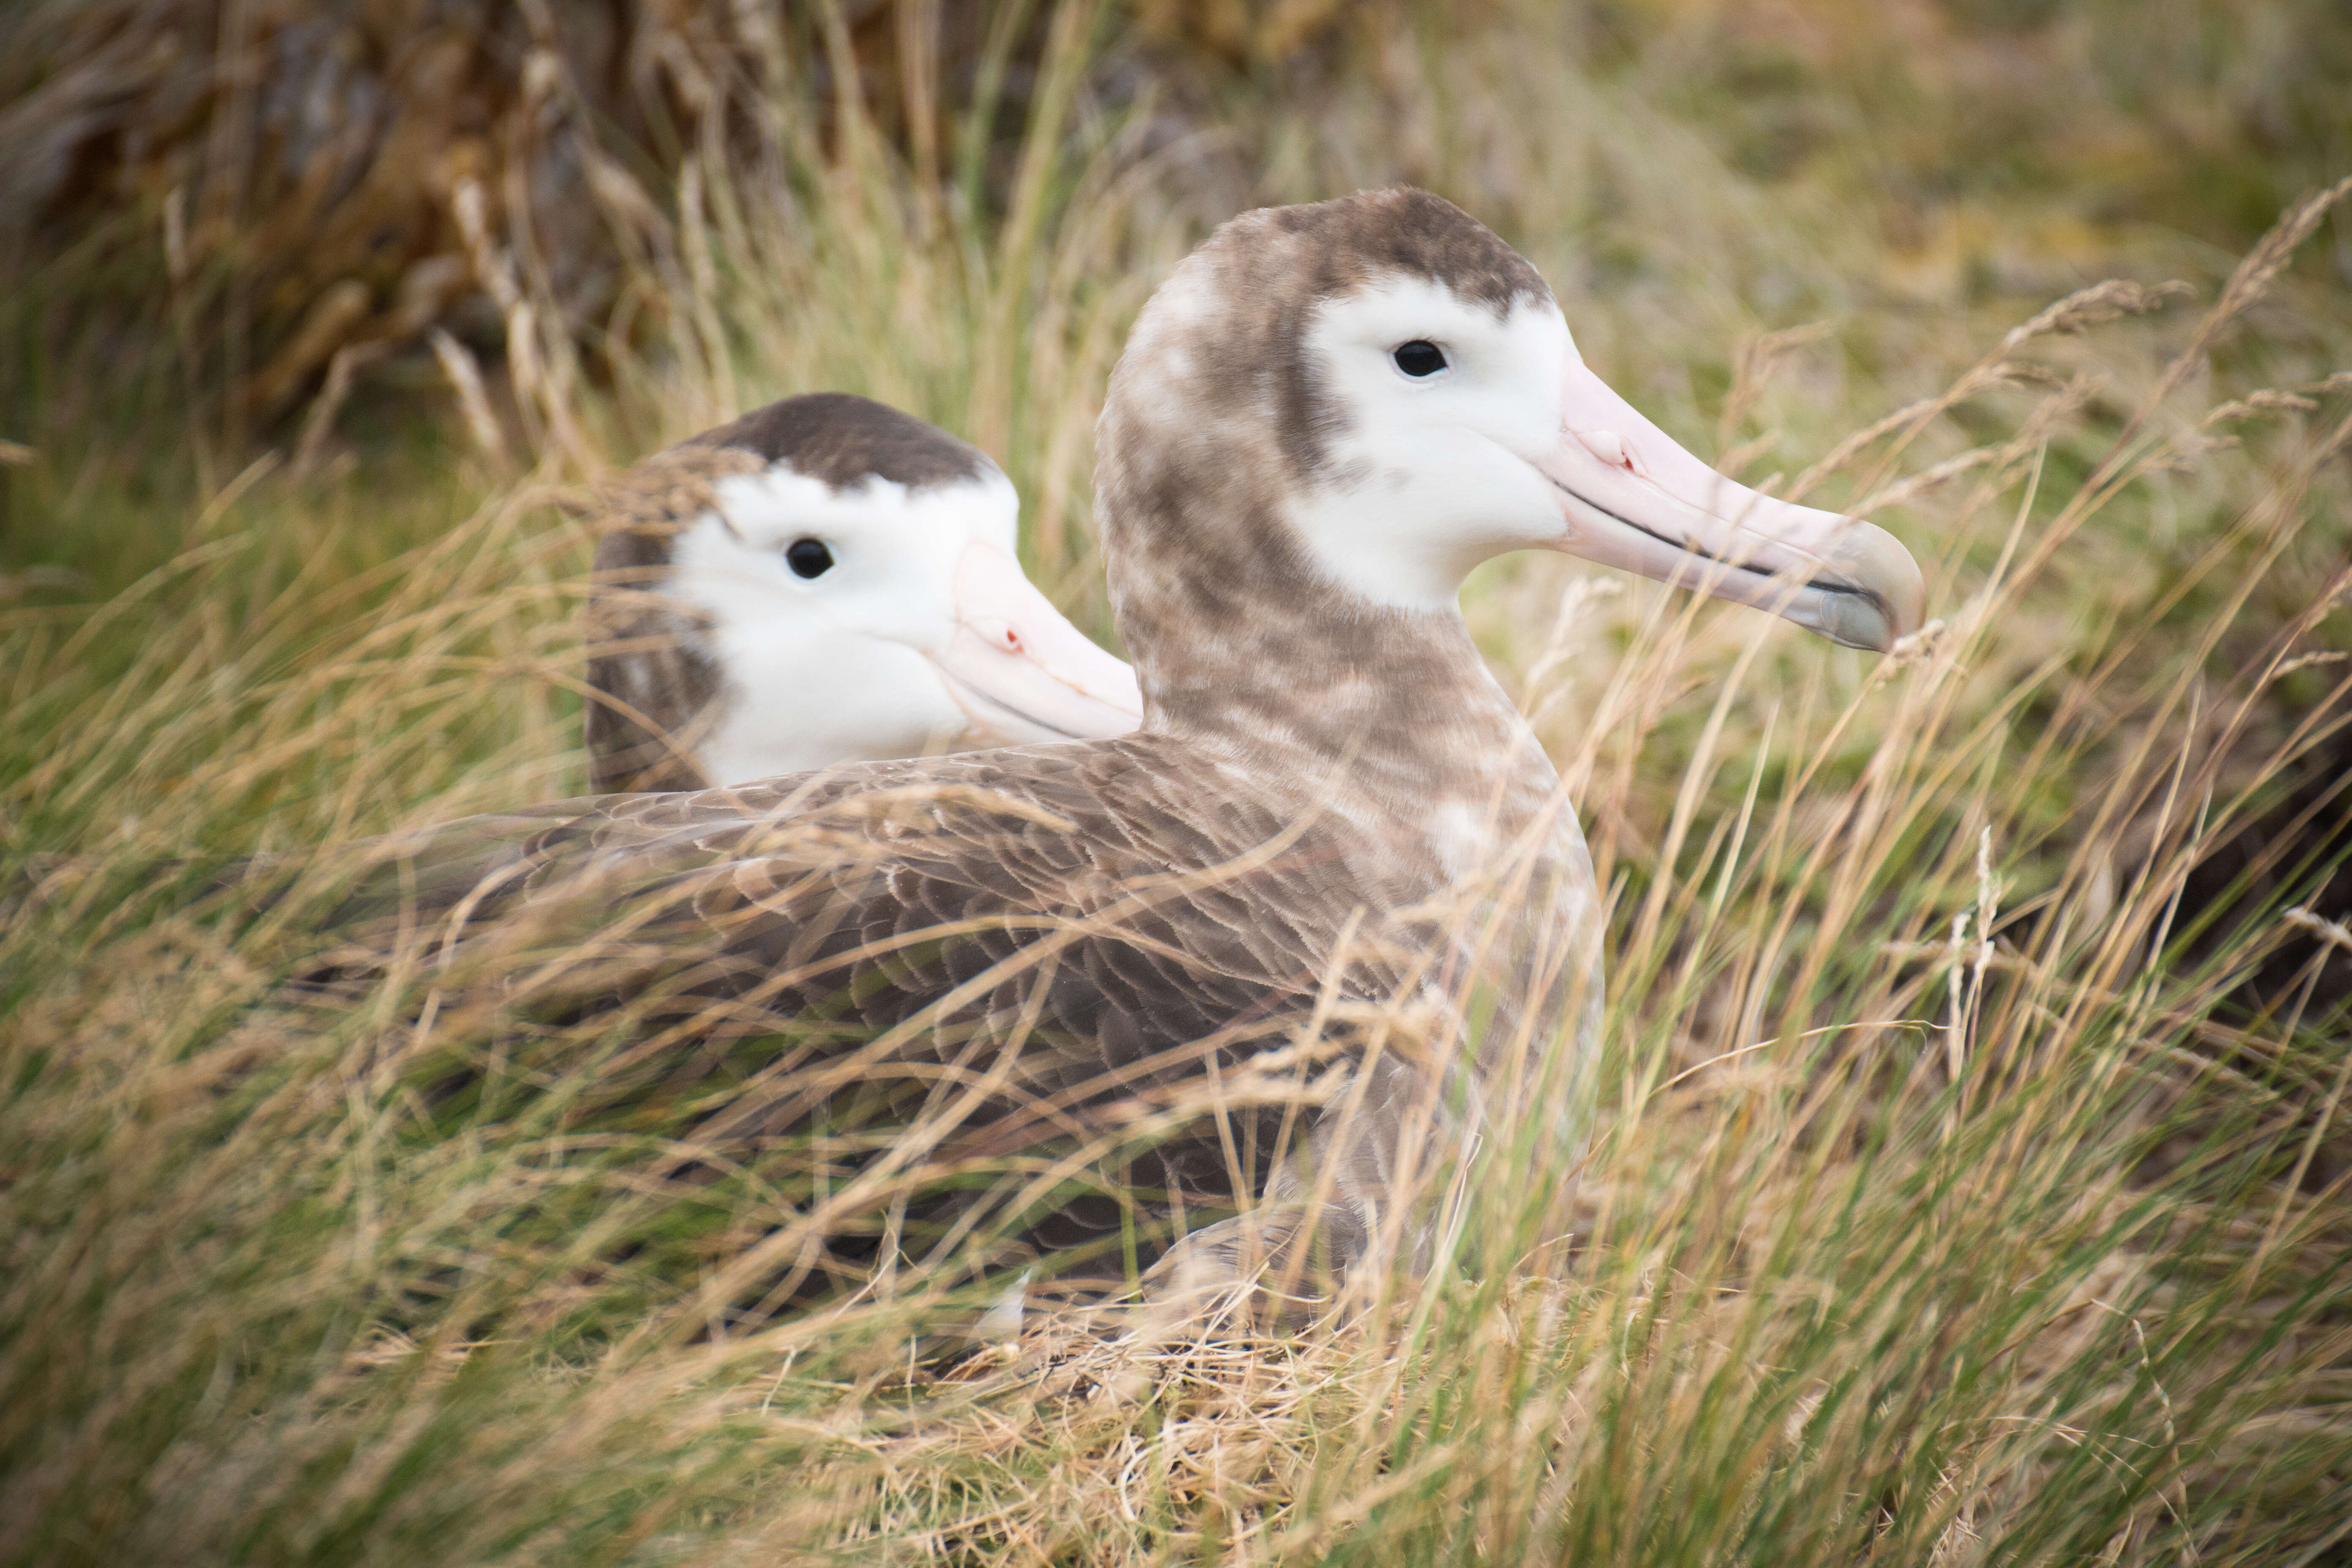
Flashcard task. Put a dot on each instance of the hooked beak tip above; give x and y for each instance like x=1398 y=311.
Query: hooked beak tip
x=1635 y=499
x=1889 y=597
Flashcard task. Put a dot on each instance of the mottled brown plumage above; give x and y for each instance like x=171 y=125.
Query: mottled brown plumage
x=652 y=686
x=839 y=439
x=1333 y=833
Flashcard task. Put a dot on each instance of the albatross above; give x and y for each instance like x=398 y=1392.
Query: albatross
x=1333 y=846
x=824 y=580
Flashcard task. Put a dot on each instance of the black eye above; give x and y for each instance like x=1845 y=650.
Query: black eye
x=1419 y=357
x=809 y=557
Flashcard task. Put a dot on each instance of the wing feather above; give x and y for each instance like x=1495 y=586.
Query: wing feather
x=922 y=892
x=1078 y=927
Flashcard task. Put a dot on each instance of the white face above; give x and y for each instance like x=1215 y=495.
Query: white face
x=1465 y=434
x=879 y=621
x=1435 y=471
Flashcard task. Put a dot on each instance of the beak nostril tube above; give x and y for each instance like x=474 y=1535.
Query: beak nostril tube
x=1606 y=445
x=1022 y=670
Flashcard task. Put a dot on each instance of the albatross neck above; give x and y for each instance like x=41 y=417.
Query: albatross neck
x=1304 y=678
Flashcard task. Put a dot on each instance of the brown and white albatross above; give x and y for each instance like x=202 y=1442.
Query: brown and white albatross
x=1331 y=819
x=824 y=580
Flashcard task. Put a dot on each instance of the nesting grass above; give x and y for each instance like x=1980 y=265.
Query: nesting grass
x=1965 y=1191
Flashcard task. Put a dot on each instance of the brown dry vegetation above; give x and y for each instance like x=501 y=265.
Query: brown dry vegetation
x=1972 y=1184
x=284 y=180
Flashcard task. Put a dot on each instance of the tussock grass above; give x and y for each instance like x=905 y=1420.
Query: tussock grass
x=1963 y=1190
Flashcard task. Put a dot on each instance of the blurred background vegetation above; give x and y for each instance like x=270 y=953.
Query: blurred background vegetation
x=321 y=324
x=203 y=206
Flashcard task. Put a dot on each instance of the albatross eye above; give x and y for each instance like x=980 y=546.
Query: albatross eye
x=1419 y=358
x=809 y=558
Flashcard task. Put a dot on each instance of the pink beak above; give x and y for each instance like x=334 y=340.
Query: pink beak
x=1635 y=500
x=1021 y=670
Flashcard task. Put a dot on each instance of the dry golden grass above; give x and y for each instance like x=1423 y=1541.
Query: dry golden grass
x=1966 y=1189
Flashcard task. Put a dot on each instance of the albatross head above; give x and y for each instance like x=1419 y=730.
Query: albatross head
x=848 y=588
x=1397 y=397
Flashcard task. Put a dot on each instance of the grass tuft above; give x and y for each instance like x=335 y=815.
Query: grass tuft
x=1971 y=1183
